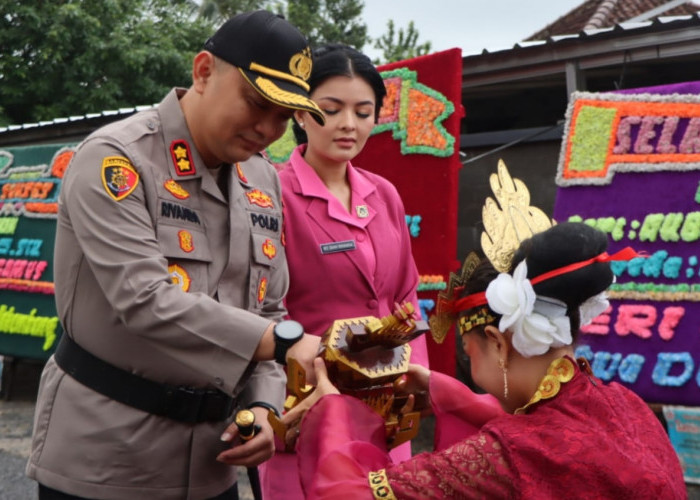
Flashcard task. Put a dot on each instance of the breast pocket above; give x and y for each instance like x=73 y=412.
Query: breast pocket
x=188 y=255
x=267 y=254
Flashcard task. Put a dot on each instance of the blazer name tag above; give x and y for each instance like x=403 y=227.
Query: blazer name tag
x=337 y=246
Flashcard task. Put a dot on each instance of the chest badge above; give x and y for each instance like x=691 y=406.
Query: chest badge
x=269 y=249
x=176 y=189
x=182 y=158
x=186 y=241
x=179 y=277
x=362 y=211
x=240 y=173
x=119 y=177
x=257 y=197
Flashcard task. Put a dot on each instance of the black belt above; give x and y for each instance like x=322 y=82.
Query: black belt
x=184 y=404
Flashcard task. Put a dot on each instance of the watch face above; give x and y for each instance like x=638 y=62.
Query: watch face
x=289 y=330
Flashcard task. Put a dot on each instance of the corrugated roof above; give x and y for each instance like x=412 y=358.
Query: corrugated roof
x=596 y=14
x=614 y=30
x=57 y=121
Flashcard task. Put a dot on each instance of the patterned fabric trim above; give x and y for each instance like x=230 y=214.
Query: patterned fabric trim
x=380 y=485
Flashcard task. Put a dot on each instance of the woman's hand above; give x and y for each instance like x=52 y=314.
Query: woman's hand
x=292 y=419
x=415 y=384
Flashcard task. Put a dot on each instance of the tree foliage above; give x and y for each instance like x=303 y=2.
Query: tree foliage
x=397 y=46
x=219 y=11
x=61 y=58
x=324 y=21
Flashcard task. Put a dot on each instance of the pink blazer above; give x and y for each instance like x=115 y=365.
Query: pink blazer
x=326 y=284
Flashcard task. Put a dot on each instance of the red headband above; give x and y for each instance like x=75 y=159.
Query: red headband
x=479 y=299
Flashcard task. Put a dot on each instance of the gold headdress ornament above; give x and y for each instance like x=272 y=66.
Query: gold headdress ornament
x=508 y=221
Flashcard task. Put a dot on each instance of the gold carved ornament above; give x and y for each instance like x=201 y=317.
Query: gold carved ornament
x=508 y=220
x=365 y=358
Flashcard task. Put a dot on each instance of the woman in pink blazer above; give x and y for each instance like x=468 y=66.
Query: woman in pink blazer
x=347 y=244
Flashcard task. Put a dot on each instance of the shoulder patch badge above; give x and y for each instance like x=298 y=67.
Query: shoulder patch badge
x=186 y=242
x=119 y=177
x=257 y=197
x=176 y=189
x=182 y=158
x=179 y=277
x=240 y=173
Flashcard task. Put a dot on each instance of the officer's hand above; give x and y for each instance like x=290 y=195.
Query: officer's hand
x=254 y=451
x=304 y=352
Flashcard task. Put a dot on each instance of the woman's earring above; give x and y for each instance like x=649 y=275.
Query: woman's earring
x=505 y=378
x=301 y=124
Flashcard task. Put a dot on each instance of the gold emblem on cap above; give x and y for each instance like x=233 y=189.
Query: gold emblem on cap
x=300 y=64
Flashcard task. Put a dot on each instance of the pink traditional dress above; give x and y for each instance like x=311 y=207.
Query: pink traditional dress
x=576 y=438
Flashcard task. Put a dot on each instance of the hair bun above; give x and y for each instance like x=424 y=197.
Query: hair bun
x=561 y=245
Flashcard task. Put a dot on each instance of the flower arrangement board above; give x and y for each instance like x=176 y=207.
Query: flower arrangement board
x=30 y=180
x=415 y=145
x=684 y=432
x=630 y=166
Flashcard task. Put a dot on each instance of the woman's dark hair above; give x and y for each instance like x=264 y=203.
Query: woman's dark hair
x=342 y=60
x=558 y=246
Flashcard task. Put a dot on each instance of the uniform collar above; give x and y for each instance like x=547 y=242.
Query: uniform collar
x=311 y=185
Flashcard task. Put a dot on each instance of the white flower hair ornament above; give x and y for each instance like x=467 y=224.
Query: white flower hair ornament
x=537 y=323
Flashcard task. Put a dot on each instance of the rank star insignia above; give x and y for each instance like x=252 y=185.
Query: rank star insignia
x=119 y=177
x=182 y=158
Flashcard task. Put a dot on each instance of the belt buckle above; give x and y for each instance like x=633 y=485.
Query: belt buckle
x=186 y=404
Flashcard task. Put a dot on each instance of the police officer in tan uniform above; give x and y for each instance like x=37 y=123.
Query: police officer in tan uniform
x=169 y=281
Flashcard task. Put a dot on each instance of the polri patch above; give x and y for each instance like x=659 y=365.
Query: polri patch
x=269 y=249
x=182 y=158
x=240 y=173
x=186 y=241
x=269 y=222
x=337 y=246
x=119 y=177
x=262 y=289
x=176 y=189
x=179 y=277
x=257 y=197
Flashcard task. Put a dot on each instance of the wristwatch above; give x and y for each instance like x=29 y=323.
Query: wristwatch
x=286 y=334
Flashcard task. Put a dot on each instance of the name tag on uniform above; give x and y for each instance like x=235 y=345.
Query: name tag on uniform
x=337 y=246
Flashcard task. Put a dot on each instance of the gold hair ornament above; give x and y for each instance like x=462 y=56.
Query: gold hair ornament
x=510 y=220
x=445 y=315
x=507 y=222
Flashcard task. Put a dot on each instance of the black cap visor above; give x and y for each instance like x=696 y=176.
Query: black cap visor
x=283 y=93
